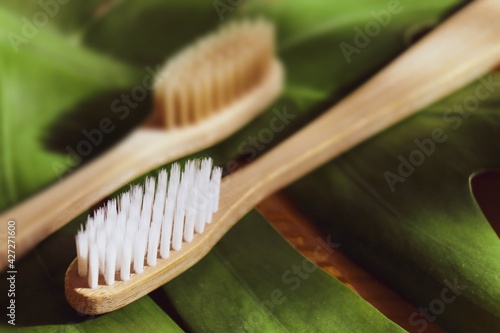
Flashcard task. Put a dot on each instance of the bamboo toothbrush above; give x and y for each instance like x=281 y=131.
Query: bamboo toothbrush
x=204 y=94
x=457 y=52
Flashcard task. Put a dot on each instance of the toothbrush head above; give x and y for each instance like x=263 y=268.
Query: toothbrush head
x=143 y=226
x=207 y=77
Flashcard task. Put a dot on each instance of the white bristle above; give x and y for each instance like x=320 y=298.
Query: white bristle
x=93 y=270
x=180 y=210
x=168 y=218
x=109 y=269
x=140 y=244
x=126 y=258
x=158 y=208
x=215 y=187
x=82 y=251
x=146 y=222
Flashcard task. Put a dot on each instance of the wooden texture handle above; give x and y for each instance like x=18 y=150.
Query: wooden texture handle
x=457 y=52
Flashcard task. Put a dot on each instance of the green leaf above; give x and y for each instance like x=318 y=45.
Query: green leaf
x=43 y=80
x=253 y=281
x=428 y=232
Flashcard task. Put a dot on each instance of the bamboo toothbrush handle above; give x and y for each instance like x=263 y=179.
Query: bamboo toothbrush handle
x=41 y=215
x=458 y=51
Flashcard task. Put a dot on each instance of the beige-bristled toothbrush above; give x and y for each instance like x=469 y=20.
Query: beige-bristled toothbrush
x=457 y=52
x=204 y=94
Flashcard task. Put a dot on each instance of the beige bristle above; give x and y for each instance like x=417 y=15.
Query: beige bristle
x=217 y=70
